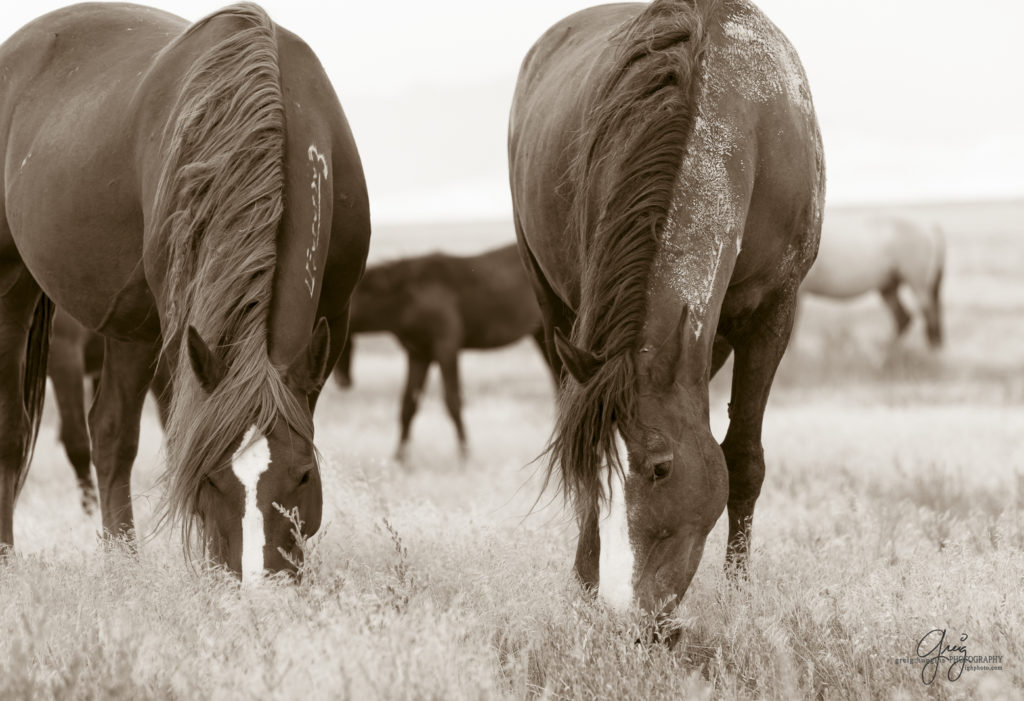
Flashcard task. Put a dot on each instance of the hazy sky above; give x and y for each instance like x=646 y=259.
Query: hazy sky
x=917 y=99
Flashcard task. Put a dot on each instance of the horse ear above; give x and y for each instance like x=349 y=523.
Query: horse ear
x=580 y=363
x=207 y=366
x=309 y=369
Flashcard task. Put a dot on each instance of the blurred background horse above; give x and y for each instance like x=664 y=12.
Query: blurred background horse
x=858 y=256
x=437 y=305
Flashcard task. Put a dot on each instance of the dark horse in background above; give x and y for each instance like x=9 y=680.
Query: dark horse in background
x=667 y=177
x=193 y=191
x=437 y=305
x=76 y=353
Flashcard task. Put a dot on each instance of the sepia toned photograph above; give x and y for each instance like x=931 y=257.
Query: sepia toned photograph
x=536 y=350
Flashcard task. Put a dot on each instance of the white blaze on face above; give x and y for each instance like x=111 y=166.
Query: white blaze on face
x=248 y=464
x=616 y=561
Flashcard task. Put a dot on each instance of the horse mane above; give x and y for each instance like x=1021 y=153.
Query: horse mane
x=219 y=204
x=620 y=184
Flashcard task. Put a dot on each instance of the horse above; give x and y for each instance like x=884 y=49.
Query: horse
x=76 y=353
x=859 y=256
x=667 y=180
x=192 y=191
x=437 y=305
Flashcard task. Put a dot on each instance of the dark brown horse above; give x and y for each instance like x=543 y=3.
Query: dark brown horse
x=667 y=177
x=437 y=305
x=195 y=191
x=76 y=354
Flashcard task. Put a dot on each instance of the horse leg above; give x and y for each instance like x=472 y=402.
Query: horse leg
x=114 y=423
x=933 y=311
x=891 y=297
x=929 y=299
x=720 y=352
x=760 y=343
x=18 y=297
x=343 y=368
x=414 y=381
x=449 y=362
x=67 y=371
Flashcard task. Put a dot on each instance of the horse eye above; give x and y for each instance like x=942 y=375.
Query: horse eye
x=662 y=469
x=305 y=477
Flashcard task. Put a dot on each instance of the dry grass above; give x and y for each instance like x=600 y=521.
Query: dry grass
x=894 y=505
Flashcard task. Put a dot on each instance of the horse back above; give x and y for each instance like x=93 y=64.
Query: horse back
x=496 y=302
x=68 y=86
x=557 y=82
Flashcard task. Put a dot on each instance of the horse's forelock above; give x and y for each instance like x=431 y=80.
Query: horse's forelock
x=621 y=184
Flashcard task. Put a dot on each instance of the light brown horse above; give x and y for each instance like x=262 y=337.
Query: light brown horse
x=667 y=177
x=882 y=254
x=193 y=191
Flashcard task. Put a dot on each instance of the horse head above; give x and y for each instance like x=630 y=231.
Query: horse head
x=664 y=477
x=265 y=489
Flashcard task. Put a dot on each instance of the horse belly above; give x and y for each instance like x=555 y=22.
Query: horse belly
x=83 y=247
x=849 y=268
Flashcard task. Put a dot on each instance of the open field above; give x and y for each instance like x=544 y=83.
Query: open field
x=893 y=506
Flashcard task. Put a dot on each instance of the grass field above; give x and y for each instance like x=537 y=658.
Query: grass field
x=893 y=506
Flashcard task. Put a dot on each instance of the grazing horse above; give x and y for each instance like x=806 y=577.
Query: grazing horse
x=667 y=179
x=77 y=353
x=881 y=254
x=437 y=305
x=193 y=191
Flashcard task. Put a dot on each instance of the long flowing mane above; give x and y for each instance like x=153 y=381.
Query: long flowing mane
x=219 y=202
x=621 y=182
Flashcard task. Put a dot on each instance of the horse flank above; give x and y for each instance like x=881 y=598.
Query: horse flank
x=638 y=127
x=220 y=202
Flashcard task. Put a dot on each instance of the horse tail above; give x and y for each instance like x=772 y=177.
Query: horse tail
x=36 y=352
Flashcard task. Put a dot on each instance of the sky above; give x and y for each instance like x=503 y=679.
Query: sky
x=918 y=100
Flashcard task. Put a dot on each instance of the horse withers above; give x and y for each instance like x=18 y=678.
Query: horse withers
x=860 y=255
x=437 y=305
x=193 y=191
x=668 y=180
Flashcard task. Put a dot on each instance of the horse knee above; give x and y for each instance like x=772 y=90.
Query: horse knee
x=114 y=446
x=746 y=471
x=410 y=404
x=933 y=328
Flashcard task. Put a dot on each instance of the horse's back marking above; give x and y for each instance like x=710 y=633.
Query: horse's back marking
x=320 y=174
x=248 y=464
x=616 y=562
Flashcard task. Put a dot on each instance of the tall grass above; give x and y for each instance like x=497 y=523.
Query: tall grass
x=893 y=506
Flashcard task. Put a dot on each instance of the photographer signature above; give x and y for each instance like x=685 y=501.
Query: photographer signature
x=956 y=655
